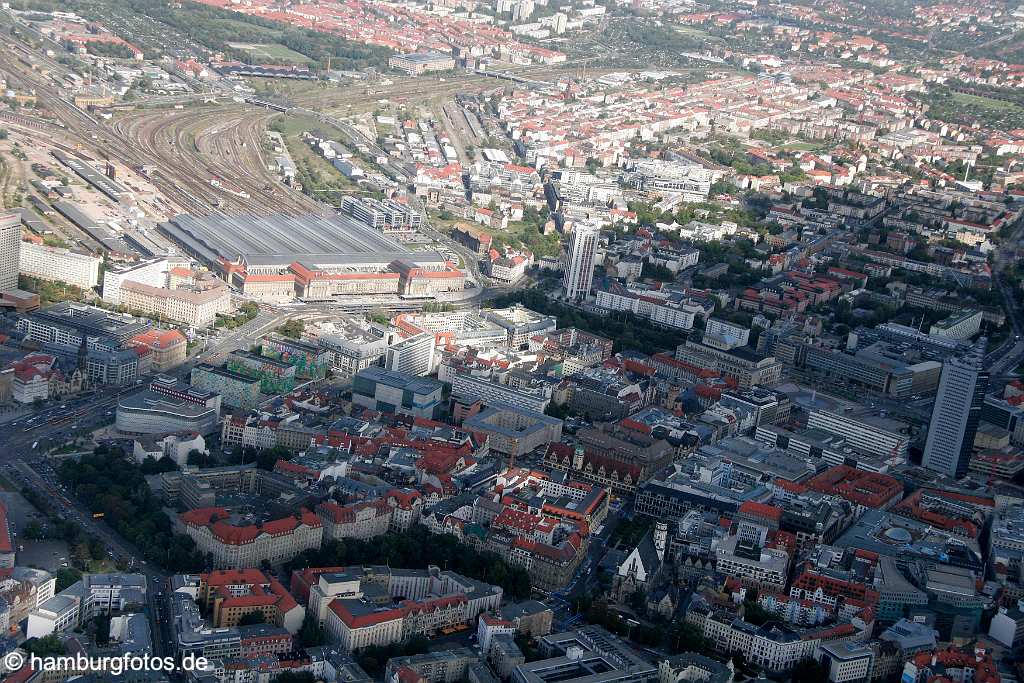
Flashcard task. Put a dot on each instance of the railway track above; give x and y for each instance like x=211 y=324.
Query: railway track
x=182 y=168
x=224 y=143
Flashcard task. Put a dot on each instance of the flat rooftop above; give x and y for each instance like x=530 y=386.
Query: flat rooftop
x=306 y=236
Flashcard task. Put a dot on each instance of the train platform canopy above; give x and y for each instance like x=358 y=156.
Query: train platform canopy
x=280 y=238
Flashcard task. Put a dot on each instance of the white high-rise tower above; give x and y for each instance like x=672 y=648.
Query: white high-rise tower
x=579 y=261
x=10 y=250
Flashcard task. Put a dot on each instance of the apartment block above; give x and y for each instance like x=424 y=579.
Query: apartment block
x=60 y=265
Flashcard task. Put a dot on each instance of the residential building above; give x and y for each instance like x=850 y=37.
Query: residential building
x=693 y=668
x=773 y=645
x=434 y=600
x=440 y=666
x=360 y=520
x=25 y=589
x=70 y=266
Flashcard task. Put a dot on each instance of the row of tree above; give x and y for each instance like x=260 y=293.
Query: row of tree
x=110 y=483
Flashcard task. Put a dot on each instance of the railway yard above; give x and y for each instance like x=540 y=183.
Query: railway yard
x=188 y=154
x=210 y=155
x=206 y=146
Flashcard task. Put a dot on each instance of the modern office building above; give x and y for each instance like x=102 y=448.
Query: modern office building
x=397 y=392
x=61 y=265
x=65 y=329
x=960 y=325
x=861 y=433
x=351 y=349
x=514 y=431
x=388 y=216
x=93 y=595
x=492 y=391
x=520 y=323
x=310 y=360
x=413 y=355
x=579 y=261
x=846 y=662
x=743 y=364
x=10 y=251
x=1006 y=411
x=956 y=413
x=151 y=413
x=168 y=407
x=236 y=390
x=587 y=654
x=417 y=63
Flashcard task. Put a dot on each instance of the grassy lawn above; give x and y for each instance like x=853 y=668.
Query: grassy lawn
x=987 y=102
x=695 y=32
x=446 y=225
x=272 y=52
x=293 y=126
x=300 y=151
x=284 y=86
x=801 y=147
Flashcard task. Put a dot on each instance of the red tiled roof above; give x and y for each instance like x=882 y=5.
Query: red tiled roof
x=756 y=509
x=868 y=489
x=215 y=519
x=159 y=339
x=364 y=620
x=233 y=577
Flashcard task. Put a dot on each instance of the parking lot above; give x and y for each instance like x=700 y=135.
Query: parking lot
x=44 y=554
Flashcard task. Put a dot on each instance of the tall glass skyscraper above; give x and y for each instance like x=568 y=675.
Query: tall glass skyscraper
x=956 y=412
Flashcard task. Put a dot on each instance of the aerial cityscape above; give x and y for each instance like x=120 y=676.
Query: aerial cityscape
x=511 y=341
